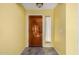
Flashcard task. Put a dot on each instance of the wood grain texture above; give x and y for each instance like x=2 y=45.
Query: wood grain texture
x=35 y=31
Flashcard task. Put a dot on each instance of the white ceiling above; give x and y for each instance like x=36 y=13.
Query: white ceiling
x=33 y=6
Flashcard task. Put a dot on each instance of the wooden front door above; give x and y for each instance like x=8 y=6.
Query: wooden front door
x=35 y=31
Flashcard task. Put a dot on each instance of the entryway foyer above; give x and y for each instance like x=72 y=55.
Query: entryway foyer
x=26 y=28
x=50 y=28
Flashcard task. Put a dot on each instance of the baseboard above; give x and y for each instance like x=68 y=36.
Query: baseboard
x=57 y=51
x=22 y=50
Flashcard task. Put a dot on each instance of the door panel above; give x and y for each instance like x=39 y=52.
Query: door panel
x=35 y=31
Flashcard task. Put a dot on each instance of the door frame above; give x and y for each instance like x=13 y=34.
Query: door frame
x=27 y=28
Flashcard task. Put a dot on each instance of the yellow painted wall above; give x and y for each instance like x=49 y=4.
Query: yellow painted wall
x=59 y=28
x=12 y=26
x=48 y=12
x=71 y=28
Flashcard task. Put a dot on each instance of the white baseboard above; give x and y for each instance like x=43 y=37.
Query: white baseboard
x=22 y=50
x=57 y=51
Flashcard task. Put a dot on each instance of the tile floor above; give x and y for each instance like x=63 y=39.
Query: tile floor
x=39 y=51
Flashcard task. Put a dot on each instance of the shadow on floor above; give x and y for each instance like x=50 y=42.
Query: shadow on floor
x=39 y=51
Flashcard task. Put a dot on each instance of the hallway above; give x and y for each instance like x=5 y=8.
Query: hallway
x=39 y=51
x=25 y=28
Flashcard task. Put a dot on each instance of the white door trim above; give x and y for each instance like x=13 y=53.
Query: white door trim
x=27 y=28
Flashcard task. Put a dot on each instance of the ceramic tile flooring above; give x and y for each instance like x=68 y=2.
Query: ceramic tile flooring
x=39 y=51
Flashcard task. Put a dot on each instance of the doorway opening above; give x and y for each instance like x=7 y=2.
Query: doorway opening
x=38 y=31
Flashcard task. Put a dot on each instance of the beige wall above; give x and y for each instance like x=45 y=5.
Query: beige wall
x=71 y=28
x=12 y=26
x=59 y=28
x=65 y=13
x=48 y=12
